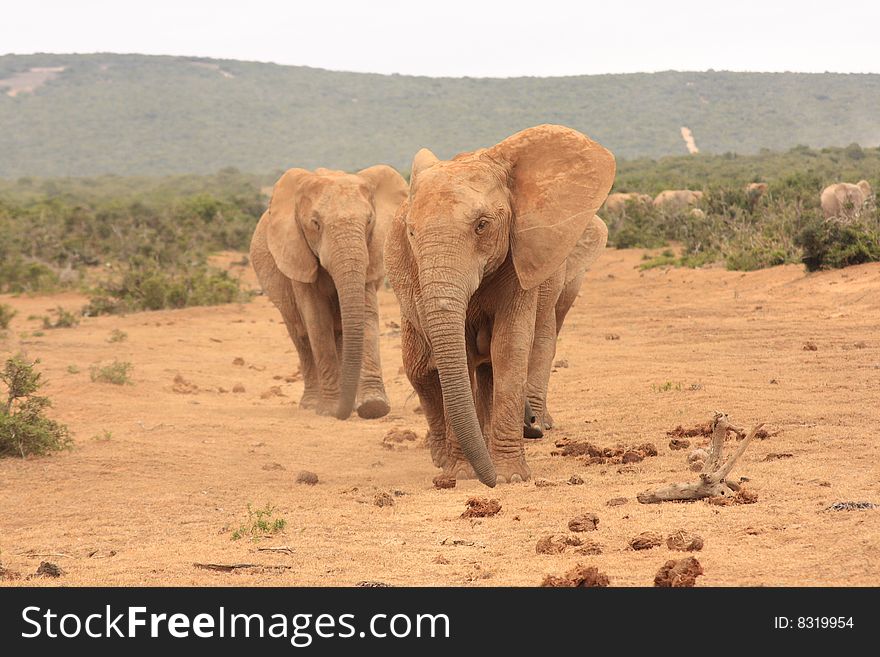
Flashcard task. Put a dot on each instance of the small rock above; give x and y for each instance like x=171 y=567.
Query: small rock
x=645 y=541
x=586 y=522
x=678 y=573
x=273 y=466
x=238 y=388
x=306 y=477
x=612 y=336
x=684 y=542
x=679 y=443
x=544 y=483
x=616 y=501
x=238 y=361
x=575 y=480
x=368 y=584
x=810 y=346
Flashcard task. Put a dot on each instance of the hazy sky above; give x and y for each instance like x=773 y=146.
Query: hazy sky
x=465 y=37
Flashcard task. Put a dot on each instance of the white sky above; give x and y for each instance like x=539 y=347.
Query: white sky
x=465 y=37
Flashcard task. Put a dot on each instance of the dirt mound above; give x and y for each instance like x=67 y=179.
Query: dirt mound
x=383 y=499
x=704 y=430
x=557 y=544
x=183 y=387
x=683 y=541
x=481 y=507
x=49 y=569
x=273 y=391
x=586 y=522
x=645 y=541
x=599 y=455
x=444 y=481
x=306 y=477
x=678 y=573
x=400 y=439
x=578 y=577
x=679 y=443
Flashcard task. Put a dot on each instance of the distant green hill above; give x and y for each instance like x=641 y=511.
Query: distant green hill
x=144 y=115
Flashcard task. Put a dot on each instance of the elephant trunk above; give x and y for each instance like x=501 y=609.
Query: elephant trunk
x=445 y=308
x=349 y=276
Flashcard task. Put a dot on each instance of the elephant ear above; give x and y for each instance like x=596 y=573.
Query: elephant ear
x=424 y=159
x=389 y=191
x=284 y=236
x=587 y=249
x=558 y=178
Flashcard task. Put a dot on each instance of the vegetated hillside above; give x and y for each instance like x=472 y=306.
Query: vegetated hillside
x=133 y=114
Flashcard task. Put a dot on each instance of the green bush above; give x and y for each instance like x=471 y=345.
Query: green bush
x=18 y=275
x=63 y=319
x=117 y=373
x=148 y=287
x=24 y=427
x=833 y=244
x=6 y=315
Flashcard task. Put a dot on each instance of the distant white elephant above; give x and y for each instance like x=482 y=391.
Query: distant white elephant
x=677 y=200
x=616 y=203
x=846 y=200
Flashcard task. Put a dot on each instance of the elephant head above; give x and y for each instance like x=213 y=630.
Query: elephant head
x=527 y=199
x=336 y=221
x=865 y=186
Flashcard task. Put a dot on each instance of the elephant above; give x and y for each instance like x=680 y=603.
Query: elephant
x=845 y=200
x=675 y=201
x=754 y=193
x=616 y=203
x=478 y=257
x=317 y=252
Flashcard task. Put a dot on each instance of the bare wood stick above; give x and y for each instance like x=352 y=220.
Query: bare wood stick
x=280 y=548
x=728 y=466
x=228 y=567
x=45 y=554
x=712 y=481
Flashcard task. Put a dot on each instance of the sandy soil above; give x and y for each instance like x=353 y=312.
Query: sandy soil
x=175 y=477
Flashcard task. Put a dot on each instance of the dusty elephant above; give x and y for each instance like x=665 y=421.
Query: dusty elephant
x=616 y=203
x=477 y=257
x=846 y=200
x=754 y=192
x=677 y=200
x=317 y=252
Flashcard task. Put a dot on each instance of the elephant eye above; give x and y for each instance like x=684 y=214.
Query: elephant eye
x=316 y=224
x=481 y=226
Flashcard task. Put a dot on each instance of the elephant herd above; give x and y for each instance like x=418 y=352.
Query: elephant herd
x=485 y=252
x=839 y=201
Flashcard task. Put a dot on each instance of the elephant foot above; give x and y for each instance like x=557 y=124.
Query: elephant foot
x=512 y=470
x=531 y=427
x=437 y=445
x=327 y=406
x=310 y=399
x=373 y=407
x=459 y=469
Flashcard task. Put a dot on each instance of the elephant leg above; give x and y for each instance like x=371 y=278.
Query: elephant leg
x=318 y=317
x=544 y=350
x=512 y=336
x=373 y=401
x=299 y=336
x=426 y=382
x=483 y=394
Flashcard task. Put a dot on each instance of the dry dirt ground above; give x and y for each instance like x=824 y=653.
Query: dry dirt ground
x=172 y=480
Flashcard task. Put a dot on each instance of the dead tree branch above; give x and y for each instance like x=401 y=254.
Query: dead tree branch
x=713 y=479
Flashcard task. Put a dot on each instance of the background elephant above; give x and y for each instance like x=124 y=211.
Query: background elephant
x=477 y=259
x=846 y=200
x=616 y=203
x=677 y=200
x=317 y=252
